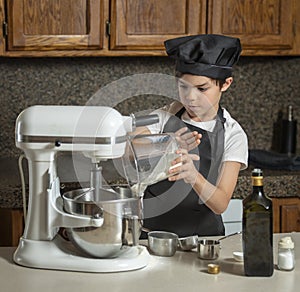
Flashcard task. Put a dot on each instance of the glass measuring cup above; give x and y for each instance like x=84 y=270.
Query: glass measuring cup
x=149 y=158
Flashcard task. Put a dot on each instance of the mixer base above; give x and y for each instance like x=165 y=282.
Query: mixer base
x=59 y=254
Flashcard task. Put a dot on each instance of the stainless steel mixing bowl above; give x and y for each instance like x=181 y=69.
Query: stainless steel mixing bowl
x=121 y=221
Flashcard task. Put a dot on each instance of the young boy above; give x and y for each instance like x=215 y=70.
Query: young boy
x=191 y=201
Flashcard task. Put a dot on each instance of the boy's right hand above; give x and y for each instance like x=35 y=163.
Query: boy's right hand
x=188 y=140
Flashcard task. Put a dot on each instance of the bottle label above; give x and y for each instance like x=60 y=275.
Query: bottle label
x=258 y=244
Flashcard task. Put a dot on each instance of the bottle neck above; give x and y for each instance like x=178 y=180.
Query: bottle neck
x=257 y=181
x=258 y=190
x=257 y=184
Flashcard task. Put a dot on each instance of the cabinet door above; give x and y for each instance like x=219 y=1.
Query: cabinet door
x=54 y=24
x=261 y=25
x=11 y=227
x=2 y=17
x=286 y=214
x=142 y=25
x=290 y=217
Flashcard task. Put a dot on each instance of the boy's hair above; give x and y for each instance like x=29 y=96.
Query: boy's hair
x=219 y=82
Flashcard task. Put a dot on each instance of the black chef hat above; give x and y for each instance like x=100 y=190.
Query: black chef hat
x=208 y=55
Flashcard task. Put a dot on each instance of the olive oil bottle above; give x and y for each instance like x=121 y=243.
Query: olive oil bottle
x=258 y=230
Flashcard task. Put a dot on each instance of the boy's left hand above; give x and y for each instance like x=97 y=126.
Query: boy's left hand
x=186 y=169
x=186 y=139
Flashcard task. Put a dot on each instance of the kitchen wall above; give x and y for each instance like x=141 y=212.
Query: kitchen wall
x=262 y=87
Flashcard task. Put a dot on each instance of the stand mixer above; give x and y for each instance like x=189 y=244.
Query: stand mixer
x=100 y=133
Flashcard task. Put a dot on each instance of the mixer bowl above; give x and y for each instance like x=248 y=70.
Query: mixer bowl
x=108 y=240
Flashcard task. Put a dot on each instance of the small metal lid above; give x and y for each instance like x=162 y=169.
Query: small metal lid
x=213 y=269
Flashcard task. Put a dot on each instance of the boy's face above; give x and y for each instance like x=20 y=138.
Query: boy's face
x=200 y=96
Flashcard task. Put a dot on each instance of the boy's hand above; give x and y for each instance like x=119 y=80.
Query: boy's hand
x=186 y=169
x=188 y=140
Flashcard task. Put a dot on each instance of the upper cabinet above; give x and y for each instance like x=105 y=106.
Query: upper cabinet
x=1 y=34
x=145 y=25
x=140 y=27
x=54 y=25
x=261 y=25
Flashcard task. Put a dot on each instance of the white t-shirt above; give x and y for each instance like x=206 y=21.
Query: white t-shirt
x=235 y=139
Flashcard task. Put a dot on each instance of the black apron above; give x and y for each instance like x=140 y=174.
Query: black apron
x=175 y=206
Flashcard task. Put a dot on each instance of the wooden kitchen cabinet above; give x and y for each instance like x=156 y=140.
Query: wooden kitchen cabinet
x=54 y=25
x=139 y=28
x=262 y=26
x=286 y=214
x=145 y=25
x=286 y=218
x=2 y=18
x=11 y=227
x=98 y=27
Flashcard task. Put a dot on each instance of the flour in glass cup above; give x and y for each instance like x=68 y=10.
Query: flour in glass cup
x=159 y=173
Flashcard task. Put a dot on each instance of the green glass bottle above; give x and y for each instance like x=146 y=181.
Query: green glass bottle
x=258 y=230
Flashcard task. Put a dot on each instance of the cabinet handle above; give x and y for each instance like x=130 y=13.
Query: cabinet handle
x=5 y=29
x=107 y=27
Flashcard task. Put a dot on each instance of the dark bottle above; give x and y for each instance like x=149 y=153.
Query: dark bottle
x=289 y=133
x=258 y=230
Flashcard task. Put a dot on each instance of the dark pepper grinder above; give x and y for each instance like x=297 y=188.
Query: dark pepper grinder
x=289 y=133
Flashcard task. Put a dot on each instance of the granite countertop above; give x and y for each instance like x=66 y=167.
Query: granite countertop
x=276 y=183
